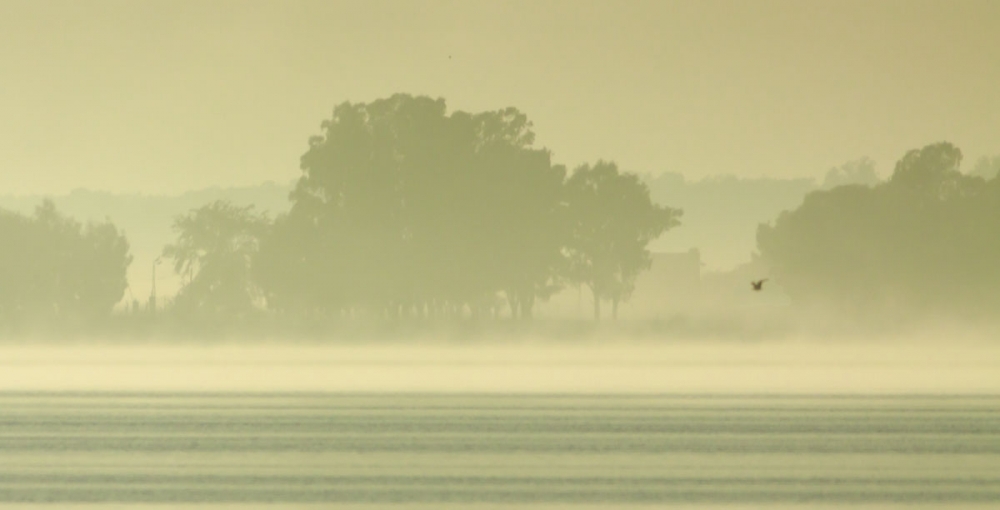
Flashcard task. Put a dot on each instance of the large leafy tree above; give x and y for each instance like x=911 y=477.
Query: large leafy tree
x=520 y=205
x=405 y=208
x=924 y=241
x=932 y=171
x=214 y=251
x=54 y=267
x=613 y=221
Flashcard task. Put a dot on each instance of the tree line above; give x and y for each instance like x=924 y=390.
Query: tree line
x=925 y=241
x=404 y=209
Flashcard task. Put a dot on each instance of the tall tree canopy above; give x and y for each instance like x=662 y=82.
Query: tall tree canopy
x=404 y=208
x=927 y=240
x=215 y=248
x=613 y=222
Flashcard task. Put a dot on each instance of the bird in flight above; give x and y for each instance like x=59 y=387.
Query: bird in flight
x=758 y=284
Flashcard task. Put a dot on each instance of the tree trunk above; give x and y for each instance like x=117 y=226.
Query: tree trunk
x=527 y=305
x=597 y=307
x=512 y=301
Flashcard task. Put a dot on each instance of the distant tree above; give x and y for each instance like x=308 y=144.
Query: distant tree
x=932 y=170
x=861 y=171
x=53 y=267
x=521 y=198
x=403 y=208
x=15 y=268
x=378 y=195
x=924 y=241
x=103 y=264
x=613 y=221
x=986 y=167
x=406 y=209
x=214 y=250
x=299 y=267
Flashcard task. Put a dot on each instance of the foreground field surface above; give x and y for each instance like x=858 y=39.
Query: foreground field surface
x=488 y=450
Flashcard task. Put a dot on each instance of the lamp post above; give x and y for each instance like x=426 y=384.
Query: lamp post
x=152 y=291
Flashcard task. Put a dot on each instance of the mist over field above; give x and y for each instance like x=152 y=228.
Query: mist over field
x=499 y=254
x=533 y=367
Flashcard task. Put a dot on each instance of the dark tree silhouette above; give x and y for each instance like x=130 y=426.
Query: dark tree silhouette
x=613 y=221
x=404 y=209
x=214 y=251
x=53 y=267
x=924 y=241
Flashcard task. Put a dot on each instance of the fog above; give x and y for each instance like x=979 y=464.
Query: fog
x=499 y=253
x=166 y=97
x=799 y=367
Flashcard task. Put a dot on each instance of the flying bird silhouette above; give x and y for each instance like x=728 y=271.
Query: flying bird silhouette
x=758 y=284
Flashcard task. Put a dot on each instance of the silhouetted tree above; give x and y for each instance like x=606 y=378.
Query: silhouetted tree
x=926 y=240
x=522 y=202
x=986 y=167
x=405 y=209
x=52 y=267
x=214 y=250
x=613 y=221
x=933 y=170
x=861 y=171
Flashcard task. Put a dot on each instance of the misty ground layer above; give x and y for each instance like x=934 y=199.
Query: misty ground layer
x=462 y=450
x=939 y=364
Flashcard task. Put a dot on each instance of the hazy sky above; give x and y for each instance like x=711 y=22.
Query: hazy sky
x=168 y=95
